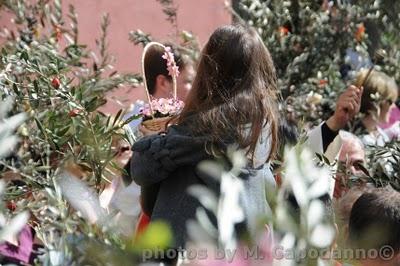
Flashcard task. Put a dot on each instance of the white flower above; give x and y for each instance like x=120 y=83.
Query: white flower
x=230 y=211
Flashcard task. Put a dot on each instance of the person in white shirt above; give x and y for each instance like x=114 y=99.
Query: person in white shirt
x=324 y=138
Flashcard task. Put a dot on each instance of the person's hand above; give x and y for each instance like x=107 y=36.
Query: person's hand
x=147 y=132
x=123 y=153
x=347 y=106
x=123 y=157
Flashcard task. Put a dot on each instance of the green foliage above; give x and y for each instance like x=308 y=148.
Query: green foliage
x=59 y=83
x=9 y=228
x=384 y=165
x=308 y=42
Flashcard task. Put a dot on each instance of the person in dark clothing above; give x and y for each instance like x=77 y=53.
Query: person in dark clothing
x=160 y=85
x=233 y=101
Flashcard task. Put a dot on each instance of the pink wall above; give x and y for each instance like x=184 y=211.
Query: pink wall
x=199 y=16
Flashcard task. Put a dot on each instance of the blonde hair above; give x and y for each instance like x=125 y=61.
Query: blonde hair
x=377 y=82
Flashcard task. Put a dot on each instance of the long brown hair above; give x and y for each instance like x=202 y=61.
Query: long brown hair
x=234 y=94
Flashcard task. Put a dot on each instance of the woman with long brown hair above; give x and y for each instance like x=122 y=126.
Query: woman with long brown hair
x=233 y=101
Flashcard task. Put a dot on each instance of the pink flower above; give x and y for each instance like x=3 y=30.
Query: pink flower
x=165 y=107
x=173 y=69
x=145 y=111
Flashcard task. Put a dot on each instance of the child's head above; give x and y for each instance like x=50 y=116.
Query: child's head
x=159 y=82
x=234 y=93
x=385 y=86
x=375 y=223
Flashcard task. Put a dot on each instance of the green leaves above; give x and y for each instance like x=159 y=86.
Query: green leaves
x=24 y=55
x=61 y=94
x=94 y=103
x=309 y=43
x=132 y=118
x=117 y=117
x=384 y=164
x=40 y=127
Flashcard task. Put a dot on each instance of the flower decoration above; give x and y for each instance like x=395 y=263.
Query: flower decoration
x=283 y=31
x=161 y=108
x=359 y=35
x=173 y=69
x=322 y=83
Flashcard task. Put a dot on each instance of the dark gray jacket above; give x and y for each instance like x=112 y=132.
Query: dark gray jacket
x=165 y=167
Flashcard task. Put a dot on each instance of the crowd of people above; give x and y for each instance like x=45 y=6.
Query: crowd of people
x=234 y=100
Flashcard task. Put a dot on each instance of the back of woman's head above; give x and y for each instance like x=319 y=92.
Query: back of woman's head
x=234 y=93
x=377 y=82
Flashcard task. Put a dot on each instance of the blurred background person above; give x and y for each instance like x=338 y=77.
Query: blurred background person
x=379 y=95
x=394 y=115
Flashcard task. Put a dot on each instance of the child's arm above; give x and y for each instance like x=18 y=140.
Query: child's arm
x=156 y=157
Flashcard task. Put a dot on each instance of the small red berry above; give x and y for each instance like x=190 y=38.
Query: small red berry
x=11 y=205
x=74 y=112
x=55 y=83
x=359 y=35
x=283 y=31
x=58 y=34
x=323 y=82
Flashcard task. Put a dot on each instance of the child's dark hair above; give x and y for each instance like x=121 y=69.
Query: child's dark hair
x=375 y=220
x=155 y=65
